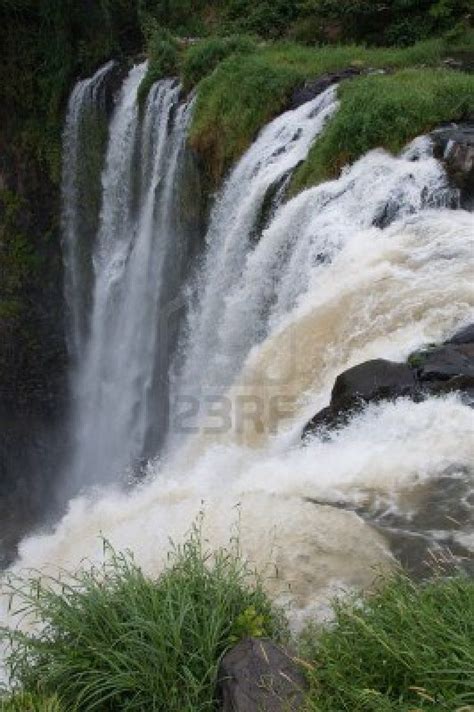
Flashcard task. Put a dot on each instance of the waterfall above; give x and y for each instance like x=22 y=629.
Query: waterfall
x=212 y=356
x=287 y=294
x=83 y=141
x=115 y=383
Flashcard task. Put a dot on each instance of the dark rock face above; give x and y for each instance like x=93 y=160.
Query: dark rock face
x=310 y=90
x=454 y=145
x=258 y=676
x=32 y=342
x=434 y=371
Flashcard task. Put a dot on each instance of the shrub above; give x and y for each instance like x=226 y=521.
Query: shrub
x=267 y=18
x=382 y=22
x=385 y=111
x=115 y=640
x=408 y=647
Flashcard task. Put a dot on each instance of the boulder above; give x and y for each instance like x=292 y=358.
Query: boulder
x=463 y=336
x=454 y=146
x=259 y=676
x=446 y=362
x=372 y=381
x=368 y=382
x=434 y=371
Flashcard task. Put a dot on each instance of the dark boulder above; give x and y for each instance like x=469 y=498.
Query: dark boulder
x=368 y=382
x=372 y=381
x=454 y=146
x=311 y=89
x=433 y=371
x=463 y=336
x=446 y=362
x=259 y=676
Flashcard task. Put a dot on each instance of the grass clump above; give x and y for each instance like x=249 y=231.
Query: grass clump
x=202 y=58
x=114 y=639
x=408 y=647
x=385 y=111
x=163 y=58
x=24 y=702
x=245 y=92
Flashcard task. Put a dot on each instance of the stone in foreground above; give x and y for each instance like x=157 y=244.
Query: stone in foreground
x=259 y=676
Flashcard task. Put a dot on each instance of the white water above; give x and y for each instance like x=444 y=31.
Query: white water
x=321 y=290
x=85 y=105
x=212 y=354
x=113 y=386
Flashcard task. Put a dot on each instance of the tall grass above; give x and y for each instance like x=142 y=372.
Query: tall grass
x=244 y=92
x=385 y=111
x=202 y=58
x=408 y=647
x=113 y=639
x=25 y=702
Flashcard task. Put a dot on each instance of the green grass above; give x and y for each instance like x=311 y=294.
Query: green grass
x=24 y=702
x=408 y=647
x=116 y=640
x=244 y=92
x=385 y=111
x=202 y=58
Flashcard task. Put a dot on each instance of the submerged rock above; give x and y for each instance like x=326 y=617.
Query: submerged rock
x=259 y=676
x=432 y=371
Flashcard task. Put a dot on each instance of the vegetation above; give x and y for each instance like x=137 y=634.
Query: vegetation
x=244 y=92
x=112 y=639
x=375 y=22
x=385 y=111
x=408 y=647
x=163 y=58
x=24 y=702
x=201 y=59
x=45 y=45
x=116 y=640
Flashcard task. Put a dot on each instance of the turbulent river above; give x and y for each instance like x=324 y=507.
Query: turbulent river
x=198 y=355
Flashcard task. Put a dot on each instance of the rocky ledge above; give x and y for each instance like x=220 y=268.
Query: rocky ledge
x=435 y=370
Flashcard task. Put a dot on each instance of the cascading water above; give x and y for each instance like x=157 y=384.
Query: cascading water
x=372 y=265
x=212 y=354
x=82 y=150
x=114 y=385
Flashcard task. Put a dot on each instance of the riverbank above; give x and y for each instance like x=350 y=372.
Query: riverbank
x=117 y=640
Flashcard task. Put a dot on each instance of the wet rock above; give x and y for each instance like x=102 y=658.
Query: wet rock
x=447 y=362
x=259 y=676
x=433 y=371
x=463 y=336
x=311 y=89
x=454 y=145
x=368 y=382
x=372 y=381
